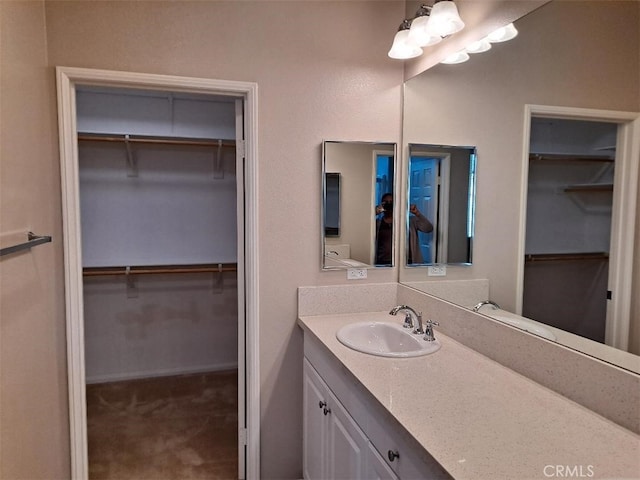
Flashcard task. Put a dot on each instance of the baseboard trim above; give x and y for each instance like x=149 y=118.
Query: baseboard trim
x=117 y=377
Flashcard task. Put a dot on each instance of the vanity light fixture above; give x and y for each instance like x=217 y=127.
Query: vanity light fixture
x=503 y=34
x=458 y=57
x=429 y=26
x=403 y=48
x=478 y=47
x=419 y=32
x=444 y=19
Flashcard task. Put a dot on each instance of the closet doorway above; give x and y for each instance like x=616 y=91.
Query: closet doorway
x=578 y=220
x=159 y=210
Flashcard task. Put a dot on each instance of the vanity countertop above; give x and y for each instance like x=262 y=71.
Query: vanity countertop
x=481 y=420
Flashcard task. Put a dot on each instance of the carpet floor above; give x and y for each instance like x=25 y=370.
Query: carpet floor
x=180 y=427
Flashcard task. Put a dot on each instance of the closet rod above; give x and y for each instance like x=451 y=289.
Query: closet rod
x=197 y=142
x=32 y=241
x=160 y=269
x=569 y=157
x=563 y=257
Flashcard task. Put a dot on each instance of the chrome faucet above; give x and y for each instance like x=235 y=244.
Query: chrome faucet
x=486 y=302
x=408 y=319
x=428 y=331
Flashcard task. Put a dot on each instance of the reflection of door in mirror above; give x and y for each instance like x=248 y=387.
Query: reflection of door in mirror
x=425 y=195
x=568 y=226
x=441 y=189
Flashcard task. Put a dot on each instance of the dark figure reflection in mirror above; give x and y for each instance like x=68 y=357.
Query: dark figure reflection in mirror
x=384 y=232
x=417 y=223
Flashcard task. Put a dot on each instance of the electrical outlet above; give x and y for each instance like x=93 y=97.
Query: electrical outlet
x=437 y=271
x=356 y=273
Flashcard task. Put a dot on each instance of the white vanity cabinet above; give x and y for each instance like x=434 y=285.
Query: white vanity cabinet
x=347 y=434
x=334 y=445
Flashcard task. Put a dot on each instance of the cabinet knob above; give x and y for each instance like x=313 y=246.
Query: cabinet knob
x=393 y=455
x=322 y=404
x=326 y=410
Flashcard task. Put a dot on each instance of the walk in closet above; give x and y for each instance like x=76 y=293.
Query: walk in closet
x=569 y=207
x=159 y=251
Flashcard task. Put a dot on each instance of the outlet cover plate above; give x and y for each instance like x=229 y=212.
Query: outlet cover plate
x=437 y=270
x=356 y=273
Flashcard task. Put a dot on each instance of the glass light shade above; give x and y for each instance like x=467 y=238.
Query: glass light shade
x=457 y=57
x=419 y=32
x=479 y=46
x=403 y=48
x=444 y=19
x=503 y=34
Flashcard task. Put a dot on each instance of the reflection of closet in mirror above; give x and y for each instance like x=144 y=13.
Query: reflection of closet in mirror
x=159 y=250
x=568 y=227
x=442 y=189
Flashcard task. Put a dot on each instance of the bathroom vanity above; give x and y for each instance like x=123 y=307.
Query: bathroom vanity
x=347 y=433
x=451 y=414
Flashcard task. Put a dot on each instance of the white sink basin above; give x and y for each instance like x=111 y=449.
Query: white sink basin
x=521 y=322
x=385 y=340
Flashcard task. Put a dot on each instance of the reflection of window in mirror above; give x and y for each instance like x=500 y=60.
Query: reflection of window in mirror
x=332 y=205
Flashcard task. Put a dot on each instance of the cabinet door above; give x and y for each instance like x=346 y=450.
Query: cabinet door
x=347 y=444
x=314 y=426
x=375 y=466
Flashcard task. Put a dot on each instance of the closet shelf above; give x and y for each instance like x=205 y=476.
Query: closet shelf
x=148 y=139
x=564 y=257
x=589 y=187
x=554 y=157
x=160 y=269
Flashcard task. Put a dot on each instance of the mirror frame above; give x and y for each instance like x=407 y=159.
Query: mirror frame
x=470 y=204
x=391 y=147
x=543 y=103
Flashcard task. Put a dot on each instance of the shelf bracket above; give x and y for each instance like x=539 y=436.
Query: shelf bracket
x=218 y=280
x=218 y=170
x=131 y=161
x=132 y=286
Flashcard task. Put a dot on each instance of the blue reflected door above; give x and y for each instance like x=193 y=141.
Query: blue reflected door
x=423 y=192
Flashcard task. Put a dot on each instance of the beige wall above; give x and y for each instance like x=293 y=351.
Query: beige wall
x=481 y=103
x=34 y=440
x=322 y=73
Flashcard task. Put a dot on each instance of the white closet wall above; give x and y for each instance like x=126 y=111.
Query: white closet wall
x=176 y=206
x=569 y=208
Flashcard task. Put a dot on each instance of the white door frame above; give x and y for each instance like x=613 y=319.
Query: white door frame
x=67 y=79
x=623 y=217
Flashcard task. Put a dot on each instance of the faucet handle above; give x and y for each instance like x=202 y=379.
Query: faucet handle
x=408 y=323
x=428 y=330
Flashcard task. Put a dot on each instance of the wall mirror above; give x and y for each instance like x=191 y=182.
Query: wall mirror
x=441 y=197
x=358 y=227
x=484 y=102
